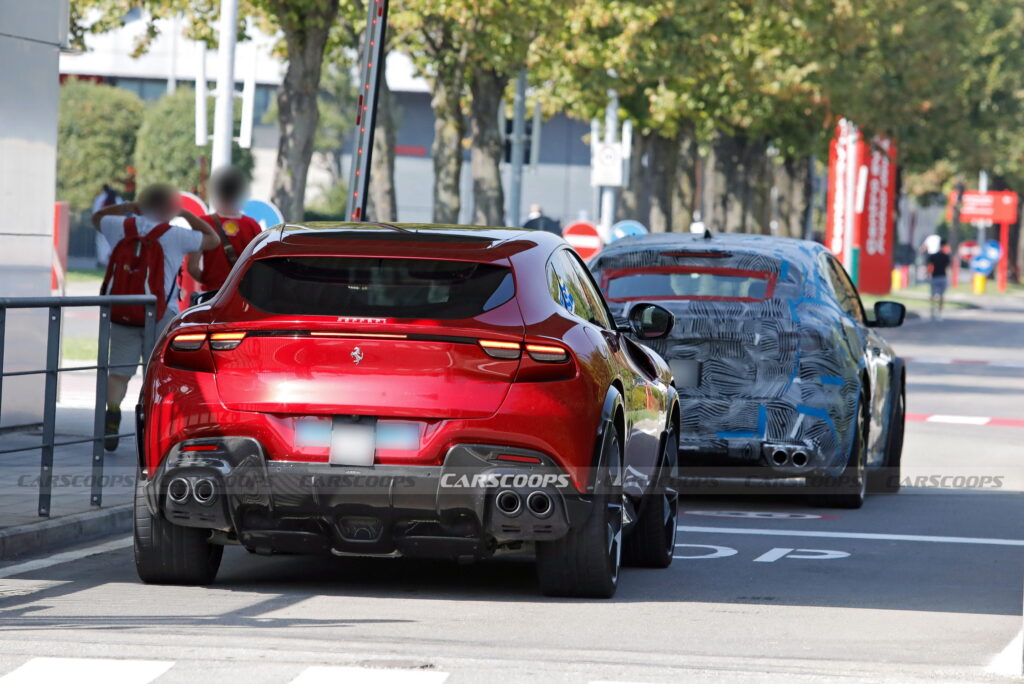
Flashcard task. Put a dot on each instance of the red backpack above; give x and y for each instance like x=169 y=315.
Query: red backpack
x=136 y=267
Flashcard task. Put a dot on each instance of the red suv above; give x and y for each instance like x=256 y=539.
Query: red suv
x=414 y=390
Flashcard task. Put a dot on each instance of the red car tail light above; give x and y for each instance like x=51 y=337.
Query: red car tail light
x=515 y=458
x=500 y=349
x=546 y=353
x=226 y=341
x=188 y=341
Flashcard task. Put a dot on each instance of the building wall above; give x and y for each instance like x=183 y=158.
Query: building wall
x=32 y=35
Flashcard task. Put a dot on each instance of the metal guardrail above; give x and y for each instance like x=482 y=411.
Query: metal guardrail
x=55 y=305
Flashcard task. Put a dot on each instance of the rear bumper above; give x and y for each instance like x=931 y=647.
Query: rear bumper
x=446 y=511
x=754 y=457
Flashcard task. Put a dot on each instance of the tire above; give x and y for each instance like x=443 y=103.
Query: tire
x=849 y=489
x=585 y=562
x=171 y=554
x=886 y=480
x=652 y=541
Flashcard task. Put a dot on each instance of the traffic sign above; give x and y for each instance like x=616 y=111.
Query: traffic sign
x=991 y=250
x=192 y=203
x=583 y=237
x=627 y=228
x=997 y=207
x=263 y=212
x=982 y=264
x=606 y=166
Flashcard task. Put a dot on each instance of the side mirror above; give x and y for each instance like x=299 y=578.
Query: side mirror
x=889 y=315
x=202 y=297
x=650 y=321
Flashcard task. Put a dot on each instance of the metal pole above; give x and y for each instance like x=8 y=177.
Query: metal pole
x=3 y=331
x=372 y=69
x=224 y=113
x=611 y=134
x=982 y=226
x=515 y=194
x=99 y=416
x=172 y=68
x=49 y=411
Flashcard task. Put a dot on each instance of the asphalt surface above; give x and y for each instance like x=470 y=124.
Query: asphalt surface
x=922 y=585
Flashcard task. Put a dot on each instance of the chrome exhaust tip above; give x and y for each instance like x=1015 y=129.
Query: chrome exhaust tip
x=508 y=502
x=779 y=457
x=540 y=504
x=204 y=491
x=178 y=490
x=799 y=459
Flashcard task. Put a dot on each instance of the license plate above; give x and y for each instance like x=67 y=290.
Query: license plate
x=353 y=443
x=686 y=372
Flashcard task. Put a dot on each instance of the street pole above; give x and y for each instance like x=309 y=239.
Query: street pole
x=611 y=134
x=172 y=68
x=515 y=199
x=371 y=70
x=224 y=112
x=982 y=225
x=954 y=233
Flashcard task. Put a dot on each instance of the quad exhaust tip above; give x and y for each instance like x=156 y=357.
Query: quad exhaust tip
x=539 y=504
x=799 y=459
x=508 y=502
x=779 y=457
x=178 y=490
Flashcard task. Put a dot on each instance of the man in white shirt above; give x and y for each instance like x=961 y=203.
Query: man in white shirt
x=157 y=205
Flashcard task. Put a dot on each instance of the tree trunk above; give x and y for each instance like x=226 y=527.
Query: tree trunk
x=487 y=88
x=449 y=130
x=383 y=205
x=684 y=191
x=663 y=155
x=297 y=105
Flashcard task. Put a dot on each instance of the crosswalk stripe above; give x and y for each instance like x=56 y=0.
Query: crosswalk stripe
x=87 y=671
x=329 y=674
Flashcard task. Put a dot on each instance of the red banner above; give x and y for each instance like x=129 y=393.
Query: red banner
x=995 y=207
x=861 y=204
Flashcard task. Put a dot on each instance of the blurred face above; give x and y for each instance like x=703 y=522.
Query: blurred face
x=163 y=208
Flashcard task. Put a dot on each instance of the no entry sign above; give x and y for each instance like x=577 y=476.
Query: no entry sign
x=583 y=237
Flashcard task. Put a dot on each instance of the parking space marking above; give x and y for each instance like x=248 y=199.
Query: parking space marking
x=66 y=557
x=716 y=551
x=328 y=674
x=760 y=515
x=1010 y=661
x=87 y=671
x=946 y=361
x=854 y=535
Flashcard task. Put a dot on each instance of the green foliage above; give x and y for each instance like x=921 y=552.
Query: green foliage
x=166 y=150
x=96 y=133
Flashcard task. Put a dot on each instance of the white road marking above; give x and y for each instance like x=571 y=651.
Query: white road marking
x=958 y=420
x=87 y=671
x=328 y=674
x=1010 y=661
x=779 y=553
x=854 y=535
x=757 y=515
x=65 y=557
x=716 y=551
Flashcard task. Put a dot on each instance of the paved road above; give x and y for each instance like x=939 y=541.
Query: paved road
x=923 y=585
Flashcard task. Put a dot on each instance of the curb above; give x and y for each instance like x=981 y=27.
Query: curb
x=64 y=531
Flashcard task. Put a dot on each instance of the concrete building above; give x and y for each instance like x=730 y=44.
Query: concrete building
x=33 y=34
x=560 y=181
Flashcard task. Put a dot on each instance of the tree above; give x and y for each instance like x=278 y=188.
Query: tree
x=304 y=26
x=166 y=151
x=96 y=132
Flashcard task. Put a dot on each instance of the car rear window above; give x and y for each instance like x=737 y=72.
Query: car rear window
x=683 y=282
x=375 y=287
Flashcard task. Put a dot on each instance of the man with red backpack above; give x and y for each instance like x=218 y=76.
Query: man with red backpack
x=147 y=253
x=228 y=187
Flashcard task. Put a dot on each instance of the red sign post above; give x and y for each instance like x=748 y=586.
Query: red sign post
x=995 y=207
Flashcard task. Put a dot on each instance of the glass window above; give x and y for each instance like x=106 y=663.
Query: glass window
x=376 y=287
x=688 y=283
x=845 y=292
x=574 y=291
